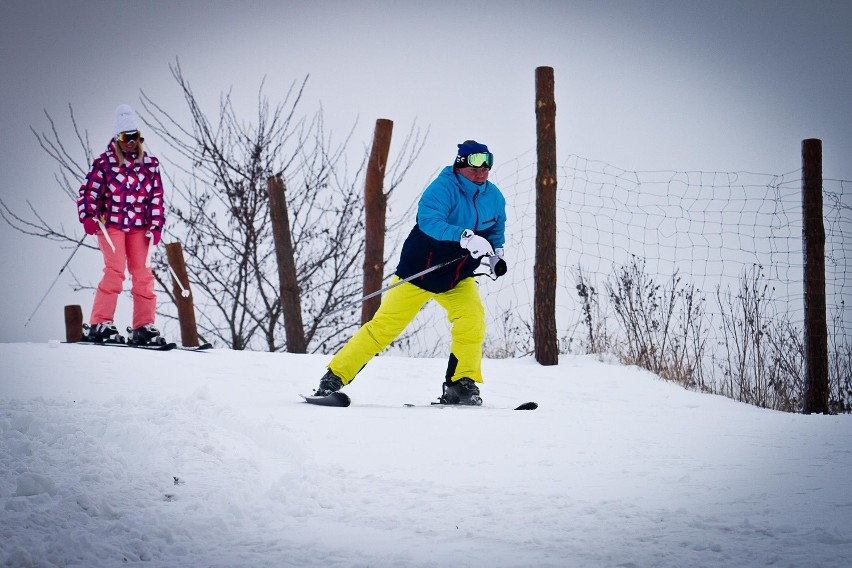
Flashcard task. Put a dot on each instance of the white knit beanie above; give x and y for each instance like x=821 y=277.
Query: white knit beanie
x=125 y=120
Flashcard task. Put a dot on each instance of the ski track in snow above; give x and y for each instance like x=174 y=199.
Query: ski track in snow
x=616 y=468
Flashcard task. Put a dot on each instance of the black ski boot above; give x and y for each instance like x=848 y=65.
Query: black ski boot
x=462 y=391
x=329 y=383
x=104 y=332
x=145 y=335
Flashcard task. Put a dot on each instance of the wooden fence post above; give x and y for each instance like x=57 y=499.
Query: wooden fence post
x=375 y=206
x=544 y=299
x=73 y=323
x=185 y=304
x=288 y=283
x=813 y=248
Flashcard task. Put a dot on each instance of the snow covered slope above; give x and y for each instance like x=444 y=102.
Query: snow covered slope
x=111 y=456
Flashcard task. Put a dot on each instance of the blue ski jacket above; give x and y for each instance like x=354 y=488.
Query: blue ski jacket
x=451 y=204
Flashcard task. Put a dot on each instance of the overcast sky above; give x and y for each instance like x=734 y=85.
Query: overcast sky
x=715 y=85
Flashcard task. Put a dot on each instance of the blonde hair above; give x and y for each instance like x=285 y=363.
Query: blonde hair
x=140 y=150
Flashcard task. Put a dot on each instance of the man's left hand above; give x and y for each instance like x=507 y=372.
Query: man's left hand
x=498 y=265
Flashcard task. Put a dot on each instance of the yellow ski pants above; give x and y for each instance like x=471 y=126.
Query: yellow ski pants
x=399 y=306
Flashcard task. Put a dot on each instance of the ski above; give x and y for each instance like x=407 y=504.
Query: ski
x=524 y=406
x=337 y=399
x=201 y=348
x=340 y=400
x=163 y=347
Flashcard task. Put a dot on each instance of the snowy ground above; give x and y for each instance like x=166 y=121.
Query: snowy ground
x=112 y=456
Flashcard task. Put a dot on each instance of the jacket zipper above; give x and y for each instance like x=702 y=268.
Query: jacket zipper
x=475 y=210
x=458 y=270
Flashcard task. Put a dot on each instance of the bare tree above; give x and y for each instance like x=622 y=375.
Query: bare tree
x=225 y=215
x=222 y=213
x=71 y=172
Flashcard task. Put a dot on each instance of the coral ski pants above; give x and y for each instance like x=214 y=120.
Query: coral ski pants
x=399 y=306
x=131 y=250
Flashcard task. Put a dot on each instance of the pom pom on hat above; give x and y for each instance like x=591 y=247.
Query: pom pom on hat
x=125 y=120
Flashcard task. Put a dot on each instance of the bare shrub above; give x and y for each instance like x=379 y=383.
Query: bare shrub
x=839 y=366
x=662 y=324
x=762 y=356
x=593 y=320
x=511 y=338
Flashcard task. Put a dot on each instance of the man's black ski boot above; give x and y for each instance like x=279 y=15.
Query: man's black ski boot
x=145 y=335
x=463 y=391
x=104 y=332
x=329 y=383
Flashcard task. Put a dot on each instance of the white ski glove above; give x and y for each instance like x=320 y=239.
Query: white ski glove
x=498 y=265
x=478 y=246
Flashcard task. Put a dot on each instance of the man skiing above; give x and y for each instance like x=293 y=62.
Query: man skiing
x=461 y=217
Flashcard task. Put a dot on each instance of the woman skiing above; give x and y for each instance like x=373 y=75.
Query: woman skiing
x=121 y=201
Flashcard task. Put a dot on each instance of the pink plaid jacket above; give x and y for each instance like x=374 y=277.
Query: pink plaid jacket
x=124 y=196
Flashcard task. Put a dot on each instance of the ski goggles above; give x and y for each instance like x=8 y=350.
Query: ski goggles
x=478 y=160
x=128 y=136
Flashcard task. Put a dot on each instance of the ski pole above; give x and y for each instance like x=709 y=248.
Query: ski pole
x=150 y=249
x=106 y=235
x=183 y=291
x=55 y=280
x=395 y=284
